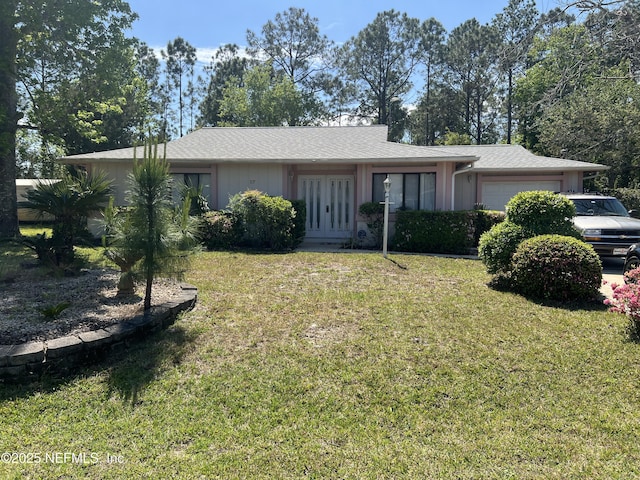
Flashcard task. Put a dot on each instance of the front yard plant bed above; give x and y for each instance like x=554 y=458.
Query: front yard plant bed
x=318 y=365
x=24 y=361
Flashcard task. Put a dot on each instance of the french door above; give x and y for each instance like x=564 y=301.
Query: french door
x=330 y=208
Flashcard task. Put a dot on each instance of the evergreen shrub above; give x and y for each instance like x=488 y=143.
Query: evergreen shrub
x=442 y=232
x=220 y=230
x=255 y=220
x=266 y=222
x=542 y=212
x=497 y=246
x=556 y=267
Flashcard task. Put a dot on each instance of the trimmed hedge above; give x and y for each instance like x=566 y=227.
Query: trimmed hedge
x=498 y=245
x=441 y=232
x=542 y=212
x=557 y=267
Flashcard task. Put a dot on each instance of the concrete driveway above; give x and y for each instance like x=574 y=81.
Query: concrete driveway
x=611 y=273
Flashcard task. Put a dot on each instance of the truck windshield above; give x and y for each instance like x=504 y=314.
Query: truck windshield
x=605 y=206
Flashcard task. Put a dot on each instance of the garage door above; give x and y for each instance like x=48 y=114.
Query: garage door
x=495 y=195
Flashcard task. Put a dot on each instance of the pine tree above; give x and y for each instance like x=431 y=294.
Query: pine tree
x=152 y=216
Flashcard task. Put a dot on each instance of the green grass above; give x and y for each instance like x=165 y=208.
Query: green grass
x=13 y=255
x=346 y=366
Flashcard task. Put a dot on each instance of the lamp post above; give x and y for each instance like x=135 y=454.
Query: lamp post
x=385 y=234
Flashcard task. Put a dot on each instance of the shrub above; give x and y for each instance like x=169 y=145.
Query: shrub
x=299 y=221
x=373 y=213
x=485 y=220
x=529 y=214
x=265 y=221
x=556 y=267
x=274 y=230
x=497 y=246
x=220 y=230
x=436 y=232
x=440 y=232
x=542 y=212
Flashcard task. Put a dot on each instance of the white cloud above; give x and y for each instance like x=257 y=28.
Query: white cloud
x=204 y=55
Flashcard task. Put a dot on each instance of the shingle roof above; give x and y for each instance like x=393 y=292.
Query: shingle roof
x=286 y=145
x=501 y=158
x=334 y=145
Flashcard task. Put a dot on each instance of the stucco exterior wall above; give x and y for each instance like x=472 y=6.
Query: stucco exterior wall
x=234 y=179
x=119 y=174
x=466 y=185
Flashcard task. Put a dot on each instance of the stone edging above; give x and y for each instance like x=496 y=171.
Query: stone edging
x=28 y=360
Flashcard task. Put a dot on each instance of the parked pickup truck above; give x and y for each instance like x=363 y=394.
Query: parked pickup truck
x=605 y=223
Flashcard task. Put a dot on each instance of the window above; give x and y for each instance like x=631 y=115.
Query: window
x=197 y=180
x=409 y=191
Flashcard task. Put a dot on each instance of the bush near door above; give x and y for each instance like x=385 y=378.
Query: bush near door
x=255 y=220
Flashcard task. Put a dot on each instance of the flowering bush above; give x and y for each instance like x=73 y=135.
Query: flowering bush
x=626 y=298
x=632 y=276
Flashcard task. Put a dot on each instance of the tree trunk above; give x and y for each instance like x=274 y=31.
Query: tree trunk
x=509 y=106
x=8 y=120
x=149 y=256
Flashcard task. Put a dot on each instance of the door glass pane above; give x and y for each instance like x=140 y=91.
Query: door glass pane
x=340 y=202
x=307 y=198
x=347 y=203
x=332 y=203
x=317 y=203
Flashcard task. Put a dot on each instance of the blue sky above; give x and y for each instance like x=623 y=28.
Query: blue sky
x=207 y=24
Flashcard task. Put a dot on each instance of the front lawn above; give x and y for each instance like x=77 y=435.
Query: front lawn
x=343 y=366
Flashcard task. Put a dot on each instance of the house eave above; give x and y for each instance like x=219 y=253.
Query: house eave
x=529 y=170
x=284 y=161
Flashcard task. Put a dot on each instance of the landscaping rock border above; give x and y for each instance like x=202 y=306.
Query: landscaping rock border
x=28 y=360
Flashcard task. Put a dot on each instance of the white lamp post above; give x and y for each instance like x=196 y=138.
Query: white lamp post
x=385 y=234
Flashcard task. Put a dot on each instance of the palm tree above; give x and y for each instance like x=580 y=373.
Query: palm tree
x=121 y=245
x=70 y=201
